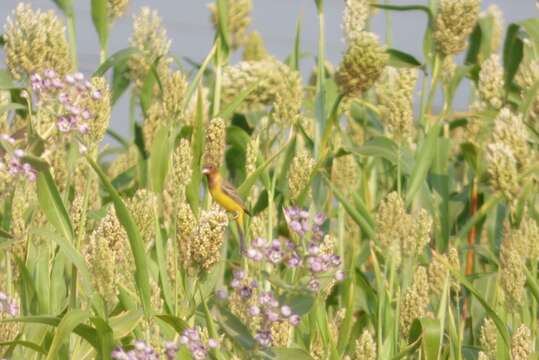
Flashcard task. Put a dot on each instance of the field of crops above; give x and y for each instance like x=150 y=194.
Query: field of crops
x=250 y=213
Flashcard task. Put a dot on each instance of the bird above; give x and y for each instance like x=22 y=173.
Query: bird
x=226 y=196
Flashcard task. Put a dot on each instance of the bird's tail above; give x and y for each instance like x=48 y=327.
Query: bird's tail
x=239 y=222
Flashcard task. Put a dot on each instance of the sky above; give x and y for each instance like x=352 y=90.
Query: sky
x=188 y=26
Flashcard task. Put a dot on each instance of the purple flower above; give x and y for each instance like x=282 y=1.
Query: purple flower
x=254 y=310
x=294 y=260
x=294 y=319
x=239 y=274
x=246 y=292
x=213 y=344
x=313 y=285
x=340 y=275
x=286 y=311
x=272 y=316
x=64 y=125
x=264 y=338
x=222 y=294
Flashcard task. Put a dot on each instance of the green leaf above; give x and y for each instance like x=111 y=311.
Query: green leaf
x=364 y=222
x=401 y=59
x=222 y=23
x=177 y=323
x=66 y=6
x=245 y=187
x=135 y=240
x=26 y=344
x=513 y=52
x=422 y=165
x=67 y=248
x=429 y=330
x=119 y=57
x=105 y=338
x=122 y=325
x=100 y=18
x=197 y=146
x=500 y=324
x=11 y=107
x=283 y=353
x=68 y=323
x=235 y=329
x=296 y=53
x=6 y=81
x=532 y=28
x=159 y=159
x=383 y=147
x=52 y=205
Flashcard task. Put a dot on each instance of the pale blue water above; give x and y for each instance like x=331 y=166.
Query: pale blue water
x=187 y=22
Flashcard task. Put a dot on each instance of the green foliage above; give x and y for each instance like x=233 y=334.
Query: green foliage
x=414 y=223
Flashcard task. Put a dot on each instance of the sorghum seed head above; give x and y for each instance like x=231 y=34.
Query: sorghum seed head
x=503 y=170
x=150 y=38
x=489 y=333
x=300 y=173
x=253 y=148
x=182 y=160
x=415 y=301
x=510 y=130
x=345 y=173
x=254 y=49
x=214 y=148
x=356 y=15
x=512 y=275
x=395 y=91
x=521 y=343
x=362 y=64
x=239 y=19
x=117 y=8
x=495 y=13
x=527 y=76
x=208 y=238
x=365 y=347
x=454 y=22
x=271 y=79
x=35 y=41
x=142 y=206
x=491 y=83
x=185 y=228
x=174 y=90
x=100 y=108
x=108 y=251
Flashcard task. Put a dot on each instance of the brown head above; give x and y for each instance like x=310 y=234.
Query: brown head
x=212 y=174
x=209 y=170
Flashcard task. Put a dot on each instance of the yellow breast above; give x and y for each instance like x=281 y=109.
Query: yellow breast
x=225 y=201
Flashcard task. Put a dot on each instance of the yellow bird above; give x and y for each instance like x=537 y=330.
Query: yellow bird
x=226 y=196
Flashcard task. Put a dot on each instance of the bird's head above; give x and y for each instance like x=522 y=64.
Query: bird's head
x=209 y=170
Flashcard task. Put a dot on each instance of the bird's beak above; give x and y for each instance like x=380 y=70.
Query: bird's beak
x=205 y=171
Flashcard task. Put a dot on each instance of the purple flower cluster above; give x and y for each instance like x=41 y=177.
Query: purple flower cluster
x=13 y=164
x=299 y=222
x=8 y=306
x=313 y=256
x=193 y=340
x=66 y=98
x=141 y=351
x=265 y=306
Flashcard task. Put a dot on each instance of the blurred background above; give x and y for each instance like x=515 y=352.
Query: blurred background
x=189 y=28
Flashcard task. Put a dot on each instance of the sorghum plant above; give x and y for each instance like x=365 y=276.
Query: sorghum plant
x=384 y=221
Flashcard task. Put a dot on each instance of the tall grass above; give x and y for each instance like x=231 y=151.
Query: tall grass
x=381 y=227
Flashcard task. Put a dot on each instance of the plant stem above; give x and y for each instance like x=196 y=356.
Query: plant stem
x=471 y=241
x=72 y=37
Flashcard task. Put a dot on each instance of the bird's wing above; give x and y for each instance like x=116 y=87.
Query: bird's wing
x=229 y=190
